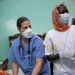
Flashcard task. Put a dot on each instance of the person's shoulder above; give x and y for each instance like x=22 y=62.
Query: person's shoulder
x=16 y=41
x=50 y=31
x=36 y=41
x=35 y=37
x=72 y=27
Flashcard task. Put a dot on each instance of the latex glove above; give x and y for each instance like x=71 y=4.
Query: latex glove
x=67 y=54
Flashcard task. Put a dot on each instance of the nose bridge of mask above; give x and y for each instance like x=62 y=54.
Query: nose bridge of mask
x=64 y=15
x=28 y=30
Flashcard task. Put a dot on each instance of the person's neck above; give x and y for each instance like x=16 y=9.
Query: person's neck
x=24 y=41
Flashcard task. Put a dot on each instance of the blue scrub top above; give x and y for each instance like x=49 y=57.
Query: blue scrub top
x=27 y=61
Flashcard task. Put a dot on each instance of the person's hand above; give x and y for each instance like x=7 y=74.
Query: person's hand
x=67 y=54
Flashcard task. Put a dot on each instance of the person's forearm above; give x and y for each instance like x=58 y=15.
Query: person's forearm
x=38 y=66
x=14 y=68
x=14 y=74
x=53 y=57
x=36 y=70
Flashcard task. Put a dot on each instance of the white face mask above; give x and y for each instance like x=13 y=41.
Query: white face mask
x=27 y=33
x=65 y=17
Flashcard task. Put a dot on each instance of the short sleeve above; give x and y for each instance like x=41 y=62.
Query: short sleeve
x=11 y=56
x=48 y=45
x=39 y=49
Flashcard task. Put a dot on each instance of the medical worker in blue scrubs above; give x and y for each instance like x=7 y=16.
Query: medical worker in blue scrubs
x=27 y=51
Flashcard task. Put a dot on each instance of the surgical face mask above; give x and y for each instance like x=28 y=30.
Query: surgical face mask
x=27 y=33
x=65 y=17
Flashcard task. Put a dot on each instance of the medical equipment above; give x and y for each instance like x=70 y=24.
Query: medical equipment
x=65 y=17
x=21 y=49
x=27 y=33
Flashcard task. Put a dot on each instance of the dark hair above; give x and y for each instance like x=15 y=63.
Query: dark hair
x=21 y=20
x=60 y=9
